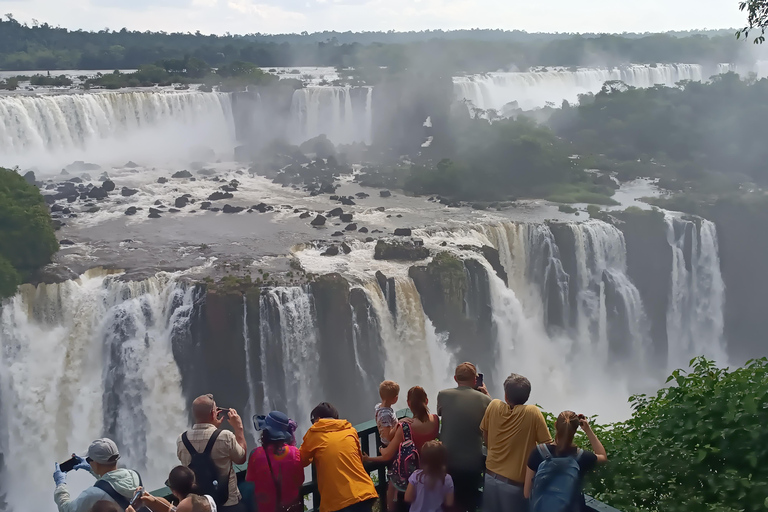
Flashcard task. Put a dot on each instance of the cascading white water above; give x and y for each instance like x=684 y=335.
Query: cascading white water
x=252 y=408
x=317 y=110
x=601 y=257
x=289 y=348
x=415 y=353
x=697 y=294
x=535 y=88
x=112 y=127
x=83 y=359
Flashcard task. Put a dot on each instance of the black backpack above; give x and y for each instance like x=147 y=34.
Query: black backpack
x=121 y=500
x=206 y=473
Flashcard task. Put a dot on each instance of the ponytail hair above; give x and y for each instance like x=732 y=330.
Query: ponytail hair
x=433 y=457
x=565 y=428
x=417 y=402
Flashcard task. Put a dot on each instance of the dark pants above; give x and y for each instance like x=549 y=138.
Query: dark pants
x=466 y=488
x=240 y=507
x=363 y=506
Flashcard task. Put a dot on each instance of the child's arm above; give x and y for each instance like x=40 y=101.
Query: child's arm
x=388 y=432
x=410 y=494
x=448 y=500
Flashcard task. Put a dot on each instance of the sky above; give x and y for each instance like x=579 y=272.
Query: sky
x=286 y=16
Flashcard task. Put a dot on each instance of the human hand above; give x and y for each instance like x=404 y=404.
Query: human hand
x=59 y=476
x=366 y=458
x=584 y=423
x=483 y=390
x=235 y=420
x=81 y=463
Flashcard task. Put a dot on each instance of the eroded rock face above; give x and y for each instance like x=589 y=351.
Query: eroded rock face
x=403 y=251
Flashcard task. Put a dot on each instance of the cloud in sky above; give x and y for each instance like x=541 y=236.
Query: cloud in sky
x=277 y=16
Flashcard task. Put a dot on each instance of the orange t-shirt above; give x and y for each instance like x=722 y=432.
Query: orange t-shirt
x=334 y=447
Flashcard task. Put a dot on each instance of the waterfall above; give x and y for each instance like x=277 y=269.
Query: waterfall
x=609 y=309
x=415 y=353
x=252 y=408
x=289 y=349
x=318 y=110
x=697 y=293
x=535 y=88
x=112 y=127
x=83 y=359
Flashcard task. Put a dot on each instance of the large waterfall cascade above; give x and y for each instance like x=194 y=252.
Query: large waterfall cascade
x=330 y=110
x=94 y=356
x=532 y=89
x=83 y=359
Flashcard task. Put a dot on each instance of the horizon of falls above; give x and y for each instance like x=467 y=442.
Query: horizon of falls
x=99 y=356
x=532 y=89
x=113 y=127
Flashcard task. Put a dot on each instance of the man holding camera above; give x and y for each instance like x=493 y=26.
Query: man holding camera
x=462 y=409
x=112 y=484
x=228 y=448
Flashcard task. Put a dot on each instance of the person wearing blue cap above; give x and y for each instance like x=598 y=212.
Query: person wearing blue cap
x=275 y=467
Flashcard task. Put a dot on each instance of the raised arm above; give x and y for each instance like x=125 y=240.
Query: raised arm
x=597 y=446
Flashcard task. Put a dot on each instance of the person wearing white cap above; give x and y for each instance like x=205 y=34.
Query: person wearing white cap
x=112 y=484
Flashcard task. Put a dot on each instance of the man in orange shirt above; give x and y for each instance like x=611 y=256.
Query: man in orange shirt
x=511 y=430
x=334 y=446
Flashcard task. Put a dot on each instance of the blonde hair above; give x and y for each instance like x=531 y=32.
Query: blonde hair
x=389 y=390
x=565 y=428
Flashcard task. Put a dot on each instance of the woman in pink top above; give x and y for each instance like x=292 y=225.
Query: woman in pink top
x=276 y=464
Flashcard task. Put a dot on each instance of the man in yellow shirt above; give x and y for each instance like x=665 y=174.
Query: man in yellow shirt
x=334 y=446
x=511 y=430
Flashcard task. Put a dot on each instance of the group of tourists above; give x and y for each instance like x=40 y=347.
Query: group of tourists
x=434 y=461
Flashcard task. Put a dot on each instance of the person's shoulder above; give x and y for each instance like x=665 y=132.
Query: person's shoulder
x=533 y=410
x=414 y=478
x=448 y=479
x=227 y=436
x=496 y=403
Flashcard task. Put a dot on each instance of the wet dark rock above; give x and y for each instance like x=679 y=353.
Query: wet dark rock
x=80 y=166
x=98 y=193
x=381 y=209
x=334 y=198
x=127 y=192
x=205 y=205
x=173 y=210
x=305 y=215
x=162 y=180
x=403 y=232
x=376 y=231
x=66 y=242
x=153 y=215
x=181 y=202
x=181 y=174
x=228 y=188
x=64 y=172
x=345 y=217
x=217 y=196
x=131 y=165
x=108 y=185
x=363 y=230
x=327 y=188
x=155 y=211
x=66 y=211
x=72 y=199
x=75 y=180
x=56 y=208
x=346 y=248
x=262 y=208
x=49 y=198
x=351 y=227
x=54 y=273
x=336 y=212
x=405 y=251
x=492 y=255
x=131 y=210
x=338 y=233
x=92 y=209
x=362 y=195
x=104 y=177
x=57 y=224
x=385 y=193
x=319 y=221
x=215 y=209
x=158 y=202
x=331 y=251
x=399 y=216
x=347 y=201
x=29 y=177
x=369 y=239
x=232 y=209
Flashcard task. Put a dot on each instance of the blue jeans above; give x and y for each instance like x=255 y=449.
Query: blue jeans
x=500 y=496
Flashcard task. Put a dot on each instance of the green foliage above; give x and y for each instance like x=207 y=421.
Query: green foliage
x=697 y=445
x=56 y=81
x=27 y=241
x=757 y=19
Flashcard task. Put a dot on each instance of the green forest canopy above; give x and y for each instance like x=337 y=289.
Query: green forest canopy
x=44 y=47
x=27 y=240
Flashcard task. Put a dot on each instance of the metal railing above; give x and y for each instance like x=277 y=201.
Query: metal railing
x=369 y=442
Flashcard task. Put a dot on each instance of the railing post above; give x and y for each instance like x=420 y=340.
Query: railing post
x=315 y=492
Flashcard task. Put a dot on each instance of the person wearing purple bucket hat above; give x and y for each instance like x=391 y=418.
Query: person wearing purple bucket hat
x=275 y=467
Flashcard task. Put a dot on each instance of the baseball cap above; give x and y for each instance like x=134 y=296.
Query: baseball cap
x=103 y=451
x=466 y=372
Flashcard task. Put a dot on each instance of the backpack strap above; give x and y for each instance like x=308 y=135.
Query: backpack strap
x=188 y=445
x=276 y=481
x=105 y=486
x=211 y=442
x=406 y=431
x=544 y=452
x=579 y=453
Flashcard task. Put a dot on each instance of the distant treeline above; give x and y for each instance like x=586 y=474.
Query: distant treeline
x=44 y=47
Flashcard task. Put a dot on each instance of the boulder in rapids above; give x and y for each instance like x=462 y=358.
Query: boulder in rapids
x=182 y=174
x=336 y=212
x=318 y=221
x=181 y=202
x=331 y=251
x=161 y=180
x=345 y=217
x=127 y=192
x=217 y=196
x=108 y=185
x=232 y=209
x=131 y=210
x=351 y=227
x=404 y=251
x=385 y=193
x=97 y=193
x=403 y=232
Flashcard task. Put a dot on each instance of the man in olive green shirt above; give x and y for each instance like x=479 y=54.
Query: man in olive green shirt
x=462 y=409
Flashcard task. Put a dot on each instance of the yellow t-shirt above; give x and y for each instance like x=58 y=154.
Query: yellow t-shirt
x=512 y=434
